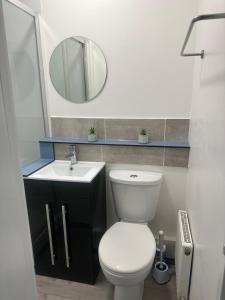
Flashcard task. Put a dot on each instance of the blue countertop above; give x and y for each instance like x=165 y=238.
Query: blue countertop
x=152 y=143
x=34 y=166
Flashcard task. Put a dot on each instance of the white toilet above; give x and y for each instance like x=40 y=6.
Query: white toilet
x=127 y=249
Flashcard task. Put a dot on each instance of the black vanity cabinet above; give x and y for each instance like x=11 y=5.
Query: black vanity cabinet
x=67 y=221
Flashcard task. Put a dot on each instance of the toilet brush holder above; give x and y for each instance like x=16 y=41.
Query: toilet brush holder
x=161 y=272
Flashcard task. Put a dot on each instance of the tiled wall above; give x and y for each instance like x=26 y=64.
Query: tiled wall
x=160 y=129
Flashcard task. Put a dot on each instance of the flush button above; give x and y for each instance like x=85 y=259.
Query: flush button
x=133 y=176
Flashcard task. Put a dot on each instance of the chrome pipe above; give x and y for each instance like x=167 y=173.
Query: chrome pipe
x=194 y=20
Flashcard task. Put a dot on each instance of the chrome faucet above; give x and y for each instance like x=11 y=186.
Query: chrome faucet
x=72 y=155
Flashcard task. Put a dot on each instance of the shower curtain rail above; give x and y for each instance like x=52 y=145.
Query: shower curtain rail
x=194 y=20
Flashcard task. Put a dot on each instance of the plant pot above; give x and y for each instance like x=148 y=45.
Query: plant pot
x=92 y=137
x=142 y=139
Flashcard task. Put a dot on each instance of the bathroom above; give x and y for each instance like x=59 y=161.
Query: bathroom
x=114 y=187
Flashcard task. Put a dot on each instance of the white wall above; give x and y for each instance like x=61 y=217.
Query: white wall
x=206 y=177
x=141 y=41
x=34 y=4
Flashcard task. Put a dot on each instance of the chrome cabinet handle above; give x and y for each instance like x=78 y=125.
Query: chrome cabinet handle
x=65 y=236
x=50 y=235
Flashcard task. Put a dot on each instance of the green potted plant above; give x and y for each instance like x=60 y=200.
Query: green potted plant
x=92 y=136
x=143 y=136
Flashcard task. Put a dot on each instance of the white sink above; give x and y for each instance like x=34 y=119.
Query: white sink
x=59 y=170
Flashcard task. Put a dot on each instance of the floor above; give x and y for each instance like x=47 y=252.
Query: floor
x=56 y=289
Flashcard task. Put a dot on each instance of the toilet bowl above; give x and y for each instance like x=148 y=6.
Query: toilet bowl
x=127 y=249
x=126 y=254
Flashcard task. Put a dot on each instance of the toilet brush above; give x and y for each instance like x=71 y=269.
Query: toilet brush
x=161 y=271
x=161 y=248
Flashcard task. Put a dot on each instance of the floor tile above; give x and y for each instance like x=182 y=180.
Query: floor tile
x=57 y=289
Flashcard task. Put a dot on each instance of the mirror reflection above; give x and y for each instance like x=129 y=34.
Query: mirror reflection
x=78 y=69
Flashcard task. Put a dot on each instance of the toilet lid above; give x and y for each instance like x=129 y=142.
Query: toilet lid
x=134 y=177
x=127 y=247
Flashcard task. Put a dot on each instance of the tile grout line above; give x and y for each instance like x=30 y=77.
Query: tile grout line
x=102 y=150
x=164 y=138
x=104 y=122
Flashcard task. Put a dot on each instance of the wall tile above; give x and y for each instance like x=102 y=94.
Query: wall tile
x=128 y=129
x=177 y=129
x=84 y=152
x=133 y=155
x=76 y=127
x=176 y=157
x=60 y=151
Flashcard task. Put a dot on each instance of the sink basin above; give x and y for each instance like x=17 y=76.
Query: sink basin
x=59 y=170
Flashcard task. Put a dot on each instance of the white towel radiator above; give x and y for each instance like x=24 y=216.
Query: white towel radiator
x=183 y=255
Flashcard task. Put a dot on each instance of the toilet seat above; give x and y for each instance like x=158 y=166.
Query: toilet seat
x=125 y=279
x=128 y=276
x=127 y=248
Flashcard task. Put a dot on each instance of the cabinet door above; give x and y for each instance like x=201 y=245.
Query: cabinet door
x=75 y=206
x=78 y=196
x=44 y=226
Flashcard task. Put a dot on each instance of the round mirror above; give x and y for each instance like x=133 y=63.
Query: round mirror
x=78 y=69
